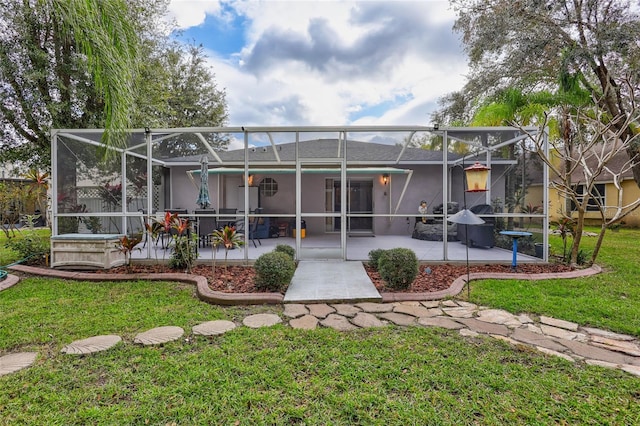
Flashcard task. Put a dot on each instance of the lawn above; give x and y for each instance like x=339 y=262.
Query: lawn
x=610 y=300
x=278 y=375
x=390 y=376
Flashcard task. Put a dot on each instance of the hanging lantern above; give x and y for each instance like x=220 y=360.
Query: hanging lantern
x=477 y=177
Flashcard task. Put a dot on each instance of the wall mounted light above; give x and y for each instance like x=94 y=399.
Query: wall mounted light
x=477 y=177
x=385 y=178
x=249 y=180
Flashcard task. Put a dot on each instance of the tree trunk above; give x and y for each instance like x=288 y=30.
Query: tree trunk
x=577 y=236
x=596 y=249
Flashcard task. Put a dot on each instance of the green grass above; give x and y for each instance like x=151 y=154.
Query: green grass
x=389 y=376
x=610 y=300
x=7 y=255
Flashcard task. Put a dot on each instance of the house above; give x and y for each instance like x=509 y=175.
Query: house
x=311 y=184
x=605 y=190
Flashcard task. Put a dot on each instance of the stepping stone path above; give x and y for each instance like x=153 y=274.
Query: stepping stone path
x=91 y=345
x=550 y=336
x=159 y=335
x=212 y=328
x=14 y=362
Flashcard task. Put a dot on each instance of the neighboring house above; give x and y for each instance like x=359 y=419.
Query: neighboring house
x=605 y=191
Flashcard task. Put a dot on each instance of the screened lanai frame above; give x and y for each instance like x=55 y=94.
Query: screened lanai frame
x=485 y=143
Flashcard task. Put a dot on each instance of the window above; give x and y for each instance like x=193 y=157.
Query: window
x=597 y=197
x=268 y=187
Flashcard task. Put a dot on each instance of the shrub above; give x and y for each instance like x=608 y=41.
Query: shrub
x=288 y=250
x=274 y=271
x=184 y=253
x=31 y=246
x=374 y=257
x=398 y=267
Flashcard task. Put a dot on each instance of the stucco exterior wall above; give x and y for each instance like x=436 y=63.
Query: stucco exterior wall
x=557 y=203
x=425 y=184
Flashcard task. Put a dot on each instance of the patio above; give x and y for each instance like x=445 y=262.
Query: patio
x=327 y=247
x=348 y=190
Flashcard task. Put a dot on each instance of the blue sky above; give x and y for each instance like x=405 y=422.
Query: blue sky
x=327 y=62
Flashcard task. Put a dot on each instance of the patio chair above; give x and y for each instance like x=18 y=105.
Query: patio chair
x=227 y=220
x=206 y=226
x=479 y=235
x=253 y=225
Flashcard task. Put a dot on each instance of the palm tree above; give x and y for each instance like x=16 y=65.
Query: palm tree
x=105 y=33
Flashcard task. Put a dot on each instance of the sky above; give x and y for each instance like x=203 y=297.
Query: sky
x=327 y=63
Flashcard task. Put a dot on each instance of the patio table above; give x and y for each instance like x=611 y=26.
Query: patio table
x=514 y=236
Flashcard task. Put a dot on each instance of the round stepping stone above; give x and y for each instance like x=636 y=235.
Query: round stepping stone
x=213 y=328
x=159 y=335
x=261 y=320
x=14 y=362
x=91 y=345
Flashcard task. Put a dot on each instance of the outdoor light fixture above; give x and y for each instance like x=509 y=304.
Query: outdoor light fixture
x=249 y=180
x=385 y=178
x=477 y=177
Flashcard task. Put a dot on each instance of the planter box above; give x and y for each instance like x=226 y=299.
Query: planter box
x=86 y=251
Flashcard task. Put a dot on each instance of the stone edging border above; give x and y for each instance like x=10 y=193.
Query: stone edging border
x=202 y=288
x=216 y=297
x=458 y=284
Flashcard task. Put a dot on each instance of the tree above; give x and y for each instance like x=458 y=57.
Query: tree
x=63 y=64
x=597 y=142
x=95 y=64
x=179 y=90
x=509 y=45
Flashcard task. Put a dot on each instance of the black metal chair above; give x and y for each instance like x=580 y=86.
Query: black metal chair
x=206 y=225
x=479 y=235
x=253 y=225
x=227 y=220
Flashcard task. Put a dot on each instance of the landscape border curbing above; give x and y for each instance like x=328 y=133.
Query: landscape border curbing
x=216 y=297
x=458 y=284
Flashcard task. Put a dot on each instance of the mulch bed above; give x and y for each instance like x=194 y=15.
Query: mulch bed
x=431 y=278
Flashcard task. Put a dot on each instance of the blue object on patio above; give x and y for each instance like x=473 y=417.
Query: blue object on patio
x=203 y=196
x=515 y=235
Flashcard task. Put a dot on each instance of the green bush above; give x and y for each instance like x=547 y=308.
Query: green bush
x=374 y=257
x=31 y=246
x=184 y=252
x=274 y=271
x=288 y=250
x=398 y=267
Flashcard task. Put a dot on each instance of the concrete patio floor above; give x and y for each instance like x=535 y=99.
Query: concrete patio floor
x=327 y=247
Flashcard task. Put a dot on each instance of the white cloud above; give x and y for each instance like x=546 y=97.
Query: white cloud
x=191 y=13
x=334 y=63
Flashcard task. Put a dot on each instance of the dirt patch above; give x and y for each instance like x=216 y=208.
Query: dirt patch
x=241 y=279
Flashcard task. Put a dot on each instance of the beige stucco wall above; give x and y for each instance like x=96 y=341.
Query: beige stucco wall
x=425 y=184
x=631 y=192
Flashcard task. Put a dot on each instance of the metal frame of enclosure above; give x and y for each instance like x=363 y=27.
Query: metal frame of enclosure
x=99 y=189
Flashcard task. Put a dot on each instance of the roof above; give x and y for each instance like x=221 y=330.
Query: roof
x=326 y=149
x=616 y=164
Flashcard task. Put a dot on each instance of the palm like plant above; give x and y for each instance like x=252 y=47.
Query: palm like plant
x=126 y=245
x=227 y=237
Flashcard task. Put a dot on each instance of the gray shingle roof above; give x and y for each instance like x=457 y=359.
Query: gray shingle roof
x=328 y=148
